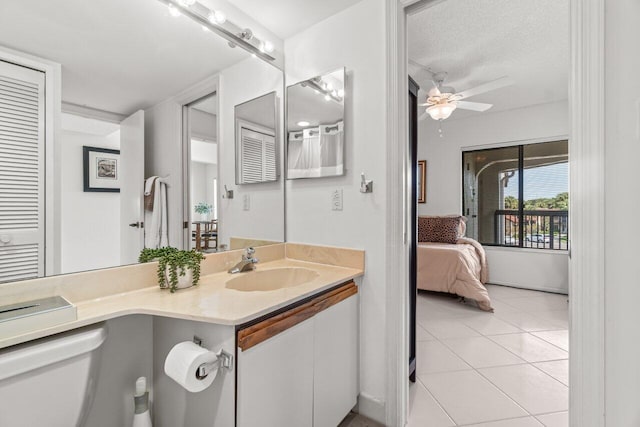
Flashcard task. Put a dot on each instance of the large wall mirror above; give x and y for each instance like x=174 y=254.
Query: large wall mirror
x=104 y=96
x=315 y=127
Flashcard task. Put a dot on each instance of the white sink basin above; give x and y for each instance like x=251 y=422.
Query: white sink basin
x=270 y=280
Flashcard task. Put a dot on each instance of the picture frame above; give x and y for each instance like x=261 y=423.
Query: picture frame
x=101 y=170
x=422 y=181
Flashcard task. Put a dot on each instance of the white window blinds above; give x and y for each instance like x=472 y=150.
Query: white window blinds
x=258 y=156
x=21 y=173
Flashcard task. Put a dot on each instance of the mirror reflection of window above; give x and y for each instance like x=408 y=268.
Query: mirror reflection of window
x=315 y=127
x=203 y=174
x=256 y=147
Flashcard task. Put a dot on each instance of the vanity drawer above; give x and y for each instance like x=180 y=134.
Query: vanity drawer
x=262 y=331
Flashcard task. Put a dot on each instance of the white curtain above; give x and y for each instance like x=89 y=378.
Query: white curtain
x=316 y=152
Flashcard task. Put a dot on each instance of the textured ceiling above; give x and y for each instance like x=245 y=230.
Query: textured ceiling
x=476 y=41
x=288 y=17
x=116 y=55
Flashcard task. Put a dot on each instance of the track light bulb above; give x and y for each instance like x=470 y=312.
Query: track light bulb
x=267 y=46
x=173 y=11
x=217 y=17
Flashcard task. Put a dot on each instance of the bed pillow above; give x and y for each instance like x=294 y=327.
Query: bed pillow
x=441 y=229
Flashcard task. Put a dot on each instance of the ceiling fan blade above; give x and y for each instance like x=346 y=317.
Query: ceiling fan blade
x=426 y=104
x=486 y=87
x=473 y=106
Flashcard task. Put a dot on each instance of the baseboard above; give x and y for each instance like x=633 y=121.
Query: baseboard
x=371 y=408
x=532 y=288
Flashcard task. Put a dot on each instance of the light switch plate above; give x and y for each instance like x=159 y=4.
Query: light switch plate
x=336 y=200
x=246 y=202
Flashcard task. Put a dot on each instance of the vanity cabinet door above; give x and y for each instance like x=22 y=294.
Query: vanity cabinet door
x=335 y=376
x=275 y=380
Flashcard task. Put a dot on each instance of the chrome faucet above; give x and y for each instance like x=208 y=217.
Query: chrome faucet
x=247 y=263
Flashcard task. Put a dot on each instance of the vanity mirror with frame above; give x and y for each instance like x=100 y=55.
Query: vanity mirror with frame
x=315 y=126
x=132 y=83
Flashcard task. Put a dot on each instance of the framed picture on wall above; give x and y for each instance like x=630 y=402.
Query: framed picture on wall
x=101 y=169
x=422 y=181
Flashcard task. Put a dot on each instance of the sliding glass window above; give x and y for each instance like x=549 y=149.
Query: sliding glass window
x=518 y=196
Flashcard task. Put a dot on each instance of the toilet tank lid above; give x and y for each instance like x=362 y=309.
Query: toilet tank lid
x=47 y=351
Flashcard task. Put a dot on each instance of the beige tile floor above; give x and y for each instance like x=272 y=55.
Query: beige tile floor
x=502 y=369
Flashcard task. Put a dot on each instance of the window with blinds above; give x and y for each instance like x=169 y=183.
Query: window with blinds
x=21 y=173
x=258 y=161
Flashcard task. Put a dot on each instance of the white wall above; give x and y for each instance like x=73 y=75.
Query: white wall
x=543 y=270
x=202 y=190
x=204 y=125
x=354 y=38
x=163 y=157
x=127 y=354
x=622 y=268
x=173 y=405
x=90 y=222
x=264 y=220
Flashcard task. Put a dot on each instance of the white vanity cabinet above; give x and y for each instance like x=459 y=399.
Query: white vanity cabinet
x=300 y=367
x=335 y=367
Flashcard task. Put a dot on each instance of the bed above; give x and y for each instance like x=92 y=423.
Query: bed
x=447 y=262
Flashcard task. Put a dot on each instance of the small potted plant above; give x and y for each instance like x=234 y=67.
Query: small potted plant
x=177 y=269
x=204 y=210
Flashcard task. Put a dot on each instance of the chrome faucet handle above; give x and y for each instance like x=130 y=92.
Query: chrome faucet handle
x=248 y=253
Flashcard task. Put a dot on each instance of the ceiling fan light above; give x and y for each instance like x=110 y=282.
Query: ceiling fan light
x=441 y=111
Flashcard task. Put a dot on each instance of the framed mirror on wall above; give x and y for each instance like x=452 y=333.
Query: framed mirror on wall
x=316 y=126
x=127 y=100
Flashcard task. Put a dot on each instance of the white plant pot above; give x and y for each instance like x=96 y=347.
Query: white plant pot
x=185 y=281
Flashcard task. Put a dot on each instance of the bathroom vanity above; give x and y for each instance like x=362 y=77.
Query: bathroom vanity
x=291 y=325
x=300 y=366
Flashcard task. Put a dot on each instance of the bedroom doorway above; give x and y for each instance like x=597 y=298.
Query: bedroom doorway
x=488 y=326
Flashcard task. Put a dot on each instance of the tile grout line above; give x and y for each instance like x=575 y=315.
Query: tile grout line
x=437 y=401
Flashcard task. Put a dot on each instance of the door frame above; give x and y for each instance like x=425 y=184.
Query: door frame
x=207 y=87
x=587 y=167
x=53 y=177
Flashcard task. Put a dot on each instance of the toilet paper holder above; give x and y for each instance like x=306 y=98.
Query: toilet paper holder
x=223 y=360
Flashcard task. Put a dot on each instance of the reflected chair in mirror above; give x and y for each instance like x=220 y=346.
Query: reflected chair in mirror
x=205 y=235
x=210 y=235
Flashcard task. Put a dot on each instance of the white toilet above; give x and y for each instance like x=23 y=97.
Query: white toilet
x=50 y=382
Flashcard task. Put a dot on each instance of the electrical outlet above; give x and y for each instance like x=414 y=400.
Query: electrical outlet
x=246 y=202
x=336 y=200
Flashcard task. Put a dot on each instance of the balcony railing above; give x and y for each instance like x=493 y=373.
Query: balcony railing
x=541 y=229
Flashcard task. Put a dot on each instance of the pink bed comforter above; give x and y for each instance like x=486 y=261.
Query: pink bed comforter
x=459 y=269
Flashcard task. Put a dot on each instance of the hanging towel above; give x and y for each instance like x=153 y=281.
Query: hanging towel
x=149 y=192
x=156 y=234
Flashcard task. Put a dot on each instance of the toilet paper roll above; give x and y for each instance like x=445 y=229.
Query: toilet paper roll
x=183 y=361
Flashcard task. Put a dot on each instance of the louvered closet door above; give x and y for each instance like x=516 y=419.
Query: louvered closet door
x=21 y=173
x=258 y=156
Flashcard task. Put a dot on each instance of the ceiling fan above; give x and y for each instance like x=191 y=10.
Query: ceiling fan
x=443 y=100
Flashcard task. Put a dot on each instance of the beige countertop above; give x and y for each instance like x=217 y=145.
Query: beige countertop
x=209 y=302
